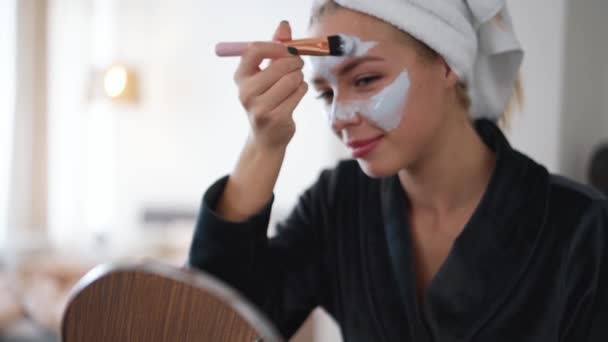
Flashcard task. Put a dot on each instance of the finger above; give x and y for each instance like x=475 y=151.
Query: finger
x=278 y=92
x=290 y=103
x=255 y=54
x=262 y=81
x=283 y=32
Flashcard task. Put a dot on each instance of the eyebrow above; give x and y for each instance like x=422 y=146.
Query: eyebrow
x=348 y=66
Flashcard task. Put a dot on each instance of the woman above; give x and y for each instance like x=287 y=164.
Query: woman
x=442 y=232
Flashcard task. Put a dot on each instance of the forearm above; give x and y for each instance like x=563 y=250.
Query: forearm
x=267 y=271
x=250 y=185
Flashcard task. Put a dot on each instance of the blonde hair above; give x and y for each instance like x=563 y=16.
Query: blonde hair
x=427 y=53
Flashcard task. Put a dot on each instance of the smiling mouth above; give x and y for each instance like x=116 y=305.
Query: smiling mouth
x=361 y=148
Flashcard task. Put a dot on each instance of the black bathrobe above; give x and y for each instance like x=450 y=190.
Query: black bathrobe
x=530 y=265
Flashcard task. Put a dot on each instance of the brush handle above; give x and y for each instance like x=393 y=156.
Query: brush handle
x=231 y=49
x=234 y=49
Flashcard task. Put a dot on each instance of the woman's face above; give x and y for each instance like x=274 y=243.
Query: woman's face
x=419 y=91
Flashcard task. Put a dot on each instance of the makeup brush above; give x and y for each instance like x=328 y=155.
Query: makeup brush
x=338 y=45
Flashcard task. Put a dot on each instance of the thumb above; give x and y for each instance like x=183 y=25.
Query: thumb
x=283 y=32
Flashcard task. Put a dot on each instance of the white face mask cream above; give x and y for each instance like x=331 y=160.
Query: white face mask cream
x=382 y=109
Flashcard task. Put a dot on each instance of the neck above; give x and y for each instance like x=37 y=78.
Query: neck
x=453 y=174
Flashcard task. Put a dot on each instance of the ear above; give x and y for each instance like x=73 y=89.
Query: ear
x=450 y=77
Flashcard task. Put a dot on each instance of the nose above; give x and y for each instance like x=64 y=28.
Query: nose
x=343 y=115
x=342 y=123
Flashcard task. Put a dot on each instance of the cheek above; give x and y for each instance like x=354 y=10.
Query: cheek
x=384 y=109
x=428 y=88
x=422 y=118
x=427 y=102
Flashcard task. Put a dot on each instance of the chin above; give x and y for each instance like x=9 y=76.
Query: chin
x=377 y=169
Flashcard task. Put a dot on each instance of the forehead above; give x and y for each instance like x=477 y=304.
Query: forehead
x=346 y=21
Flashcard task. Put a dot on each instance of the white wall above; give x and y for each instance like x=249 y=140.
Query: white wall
x=536 y=129
x=8 y=11
x=68 y=70
x=585 y=96
x=28 y=175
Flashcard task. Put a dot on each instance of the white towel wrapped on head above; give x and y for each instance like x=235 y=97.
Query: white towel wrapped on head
x=475 y=37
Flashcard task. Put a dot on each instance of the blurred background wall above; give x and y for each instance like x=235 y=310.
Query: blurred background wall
x=584 y=101
x=79 y=169
x=8 y=58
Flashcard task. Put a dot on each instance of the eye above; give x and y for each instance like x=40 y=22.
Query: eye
x=366 y=81
x=327 y=96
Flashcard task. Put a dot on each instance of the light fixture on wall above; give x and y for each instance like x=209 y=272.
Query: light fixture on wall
x=117 y=83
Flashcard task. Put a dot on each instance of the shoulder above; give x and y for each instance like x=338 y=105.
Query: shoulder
x=565 y=187
x=573 y=201
x=579 y=216
x=567 y=211
x=564 y=201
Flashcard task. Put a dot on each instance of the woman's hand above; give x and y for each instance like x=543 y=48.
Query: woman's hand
x=270 y=96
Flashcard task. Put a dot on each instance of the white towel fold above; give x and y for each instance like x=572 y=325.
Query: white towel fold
x=481 y=49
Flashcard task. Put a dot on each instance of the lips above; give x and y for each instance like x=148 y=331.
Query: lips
x=363 y=147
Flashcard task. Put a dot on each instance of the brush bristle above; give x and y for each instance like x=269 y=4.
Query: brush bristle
x=337 y=46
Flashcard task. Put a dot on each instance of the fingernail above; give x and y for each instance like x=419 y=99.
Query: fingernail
x=284 y=22
x=292 y=50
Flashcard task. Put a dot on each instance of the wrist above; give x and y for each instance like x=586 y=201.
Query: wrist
x=265 y=152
